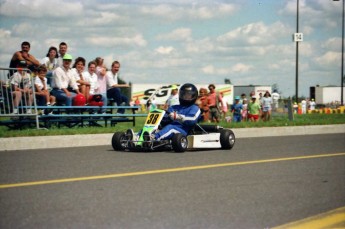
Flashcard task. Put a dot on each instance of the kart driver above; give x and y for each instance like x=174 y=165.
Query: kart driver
x=182 y=117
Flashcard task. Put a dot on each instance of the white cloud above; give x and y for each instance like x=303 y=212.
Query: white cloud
x=333 y=44
x=187 y=11
x=329 y=58
x=256 y=33
x=41 y=8
x=237 y=68
x=180 y=34
x=104 y=41
x=164 y=50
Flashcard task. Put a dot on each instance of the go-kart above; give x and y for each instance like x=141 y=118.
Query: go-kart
x=200 y=137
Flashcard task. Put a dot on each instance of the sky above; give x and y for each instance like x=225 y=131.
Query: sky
x=249 y=42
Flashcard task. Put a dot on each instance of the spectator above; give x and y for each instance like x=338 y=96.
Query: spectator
x=304 y=106
x=50 y=61
x=254 y=110
x=245 y=109
x=43 y=97
x=30 y=61
x=63 y=80
x=202 y=102
x=182 y=117
x=312 y=104
x=236 y=109
x=62 y=51
x=99 y=65
x=22 y=88
x=213 y=100
x=260 y=99
x=266 y=106
x=83 y=84
x=173 y=98
x=113 y=87
x=295 y=107
x=243 y=96
x=275 y=99
x=224 y=106
x=137 y=101
x=91 y=77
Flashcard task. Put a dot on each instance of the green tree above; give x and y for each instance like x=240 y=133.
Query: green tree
x=227 y=81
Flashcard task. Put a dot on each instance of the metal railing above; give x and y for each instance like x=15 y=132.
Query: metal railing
x=10 y=104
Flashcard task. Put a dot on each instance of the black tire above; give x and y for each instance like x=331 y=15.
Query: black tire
x=118 y=141
x=227 y=139
x=179 y=143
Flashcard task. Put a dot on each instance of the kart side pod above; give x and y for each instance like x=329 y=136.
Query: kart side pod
x=211 y=140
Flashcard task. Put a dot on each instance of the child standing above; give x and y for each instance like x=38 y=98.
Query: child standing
x=254 y=110
x=236 y=109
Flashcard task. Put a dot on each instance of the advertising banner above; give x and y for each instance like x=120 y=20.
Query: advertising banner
x=160 y=92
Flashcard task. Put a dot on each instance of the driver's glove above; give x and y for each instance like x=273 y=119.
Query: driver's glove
x=175 y=116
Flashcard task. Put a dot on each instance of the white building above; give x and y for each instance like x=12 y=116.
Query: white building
x=328 y=94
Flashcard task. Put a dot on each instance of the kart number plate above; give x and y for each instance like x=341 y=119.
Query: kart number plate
x=153 y=118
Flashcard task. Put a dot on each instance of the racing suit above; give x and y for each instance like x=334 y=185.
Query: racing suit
x=183 y=120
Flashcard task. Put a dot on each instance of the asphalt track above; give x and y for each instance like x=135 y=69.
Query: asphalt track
x=52 y=142
x=263 y=182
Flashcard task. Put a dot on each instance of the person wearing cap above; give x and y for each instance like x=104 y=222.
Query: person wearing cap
x=21 y=85
x=312 y=105
x=173 y=98
x=30 y=61
x=63 y=79
x=254 y=109
x=236 y=109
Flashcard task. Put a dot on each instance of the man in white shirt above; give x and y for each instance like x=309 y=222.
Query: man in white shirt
x=275 y=98
x=91 y=77
x=312 y=104
x=113 y=88
x=62 y=52
x=63 y=79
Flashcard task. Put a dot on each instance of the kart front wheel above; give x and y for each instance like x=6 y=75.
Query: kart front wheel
x=119 y=141
x=179 y=143
x=227 y=139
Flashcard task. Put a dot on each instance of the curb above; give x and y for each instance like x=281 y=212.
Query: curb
x=65 y=141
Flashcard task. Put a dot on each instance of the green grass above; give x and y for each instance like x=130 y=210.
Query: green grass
x=277 y=120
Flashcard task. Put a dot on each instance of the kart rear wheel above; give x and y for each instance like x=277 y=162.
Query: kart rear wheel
x=227 y=139
x=179 y=143
x=119 y=141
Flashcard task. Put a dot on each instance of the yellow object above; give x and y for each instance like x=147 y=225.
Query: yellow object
x=342 y=109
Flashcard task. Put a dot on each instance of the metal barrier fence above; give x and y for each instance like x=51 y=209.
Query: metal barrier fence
x=15 y=99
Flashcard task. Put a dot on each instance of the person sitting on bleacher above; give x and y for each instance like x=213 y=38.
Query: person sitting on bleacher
x=113 y=87
x=21 y=88
x=64 y=86
x=91 y=77
x=43 y=97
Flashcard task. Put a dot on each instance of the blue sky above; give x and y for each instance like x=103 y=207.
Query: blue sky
x=206 y=41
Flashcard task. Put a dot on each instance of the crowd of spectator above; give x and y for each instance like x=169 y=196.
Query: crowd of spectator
x=57 y=81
